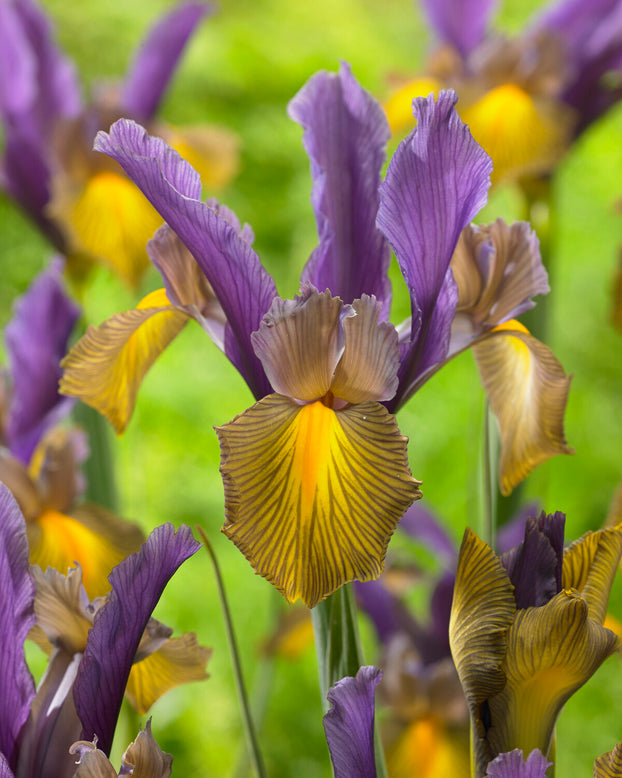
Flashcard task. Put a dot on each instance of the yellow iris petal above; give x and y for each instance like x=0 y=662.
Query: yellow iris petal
x=312 y=496
x=107 y=365
x=609 y=765
x=212 y=152
x=113 y=220
x=179 y=660
x=527 y=389
x=399 y=107
x=60 y=541
x=429 y=749
x=524 y=135
x=552 y=651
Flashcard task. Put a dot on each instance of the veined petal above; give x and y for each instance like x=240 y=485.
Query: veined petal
x=92 y=537
x=463 y=24
x=312 y=496
x=107 y=365
x=109 y=218
x=17 y=593
x=511 y=765
x=345 y=136
x=178 y=660
x=481 y=615
x=551 y=652
x=609 y=765
x=349 y=724
x=436 y=182
x=299 y=345
x=157 y=57
x=137 y=584
x=527 y=389
x=368 y=367
x=36 y=339
x=242 y=285
x=145 y=759
x=92 y=763
x=590 y=565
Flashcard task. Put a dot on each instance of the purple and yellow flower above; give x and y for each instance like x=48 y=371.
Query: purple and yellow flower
x=80 y=695
x=326 y=366
x=81 y=201
x=40 y=456
x=527 y=631
x=525 y=99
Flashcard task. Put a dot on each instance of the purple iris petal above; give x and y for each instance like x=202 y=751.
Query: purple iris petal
x=511 y=765
x=137 y=584
x=462 y=23
x=157 y=57
x=436 y=182
x=421 y=524
x=36 y=340
x=592 y=34
x=349 y=724
x=388 y=614
x=513 y=533
x=346 y=133
x=243 y=287
x=535 y=566
x=17 y=616
x=5 y=770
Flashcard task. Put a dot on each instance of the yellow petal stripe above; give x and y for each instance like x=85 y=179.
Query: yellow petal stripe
x=179 y=660
x=399 y=107
x=527 y=390
x=523 y=134
x=59 y=541
x=107 y=365
x=113 y=220
x=481 y=614
x=552 y=651
x=609 y=765
x=312 y=496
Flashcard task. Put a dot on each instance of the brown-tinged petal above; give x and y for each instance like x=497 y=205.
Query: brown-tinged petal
x=92 y=537
x=54 y=467
x=178 y=660
x=93 y=763
x=15 y=476
x=212 y=151
x=312 y=496
x=144 y=758
x=368 y=367
x=481 y=615
x=527 y=390
x=299 y=345
x=107 y=365
x=590 y=565
x=551 y=652
x=498 y=269
x=62 y=608
x=609 y=765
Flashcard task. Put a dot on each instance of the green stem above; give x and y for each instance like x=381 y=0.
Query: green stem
x=98 y=468
x=339 y=650
x=489 y=479
x=249 y=728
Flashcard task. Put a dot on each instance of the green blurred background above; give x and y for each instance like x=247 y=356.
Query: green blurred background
x=241 y=69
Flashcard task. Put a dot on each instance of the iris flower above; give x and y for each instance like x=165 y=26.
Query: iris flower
x=80 y=695
x=525 y=99
x=326 y=366
x=527 y=631
x=40 y=456
x=82 y=202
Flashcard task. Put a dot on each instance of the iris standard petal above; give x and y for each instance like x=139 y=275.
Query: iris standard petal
x=590 y=565
x=349 y=724
x=609 y=765
x=462 y=23
x=312 y=496
x=511 y=765
x=481 y=615
x=527 y=389
x=245 y=290
x=299 y=344
x=551 y=652
x=137 y=584
x=107 y=365
x=368 y=367
x=157 y=57
x=346 y=133
x=178 y=660
x=436 y=182
x=17 y=593
x=36 y=339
